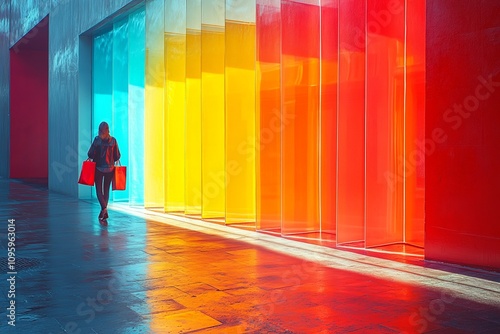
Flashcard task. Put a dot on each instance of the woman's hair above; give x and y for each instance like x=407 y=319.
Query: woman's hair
x=104 y=129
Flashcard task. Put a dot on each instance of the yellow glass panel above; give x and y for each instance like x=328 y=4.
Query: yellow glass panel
x=193 y=191
x=153 y=113
x=240 y=122
x=212 y=110
x=175 y=103
x=175 y=97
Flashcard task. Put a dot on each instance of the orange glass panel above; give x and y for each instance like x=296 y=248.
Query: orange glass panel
x=329 y=78
x=268 y=113
x=415 y=123
x=384 y=121
x=300 y=116
x=351 y=119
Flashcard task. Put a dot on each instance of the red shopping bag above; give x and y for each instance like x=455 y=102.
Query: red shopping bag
x=120 y=178
x=88 y=173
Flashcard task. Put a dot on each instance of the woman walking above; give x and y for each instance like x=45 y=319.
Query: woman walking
x=104 y=152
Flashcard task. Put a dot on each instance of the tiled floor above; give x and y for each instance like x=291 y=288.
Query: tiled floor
x=148 y=273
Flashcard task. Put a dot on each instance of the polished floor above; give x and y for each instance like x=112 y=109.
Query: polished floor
x=146 y=272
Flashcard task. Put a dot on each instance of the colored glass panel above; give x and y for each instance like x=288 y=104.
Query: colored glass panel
x=136 y=68
x=102 y=80
x=303 y=116
x=240 y=111
x=351 y=119
x=154 y=183
x=175 y=104
x=212 y=109
x=414 y=170
x=193 y=190
x=384 y=122
x=300 y=116
x=329 y=86
x=119 y=125
x=268 y=116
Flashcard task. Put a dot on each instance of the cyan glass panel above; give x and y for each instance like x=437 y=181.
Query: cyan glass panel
x=118 y=78
x=136 y=69
x=102 y=80
x=119 y=125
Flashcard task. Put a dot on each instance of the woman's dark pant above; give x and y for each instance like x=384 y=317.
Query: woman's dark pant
x=102 y=183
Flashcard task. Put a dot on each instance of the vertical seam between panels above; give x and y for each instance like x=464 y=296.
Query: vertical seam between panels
x=257 y=110
x=281 y=115
x=405 y=90
x=337 y=129
x=225 y=115
x=365 y=122
x=319 y=122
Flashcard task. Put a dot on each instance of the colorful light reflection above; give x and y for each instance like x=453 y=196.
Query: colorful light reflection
x=291 y=116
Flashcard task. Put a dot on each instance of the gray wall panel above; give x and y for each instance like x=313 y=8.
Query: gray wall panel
x=63 y=98
x=25 y=14
x=68 y=140
x=4 y=88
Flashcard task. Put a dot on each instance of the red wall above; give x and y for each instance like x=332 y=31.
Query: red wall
x=463 y=132
x=28 y=113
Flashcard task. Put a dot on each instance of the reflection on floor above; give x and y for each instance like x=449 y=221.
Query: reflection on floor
x=147 y=272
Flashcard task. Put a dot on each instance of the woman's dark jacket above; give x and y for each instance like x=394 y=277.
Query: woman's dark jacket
x=104 y=152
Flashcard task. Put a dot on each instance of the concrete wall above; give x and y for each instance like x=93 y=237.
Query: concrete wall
x=68 y=20
x=4 y=87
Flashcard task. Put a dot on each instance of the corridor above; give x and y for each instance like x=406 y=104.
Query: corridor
x=146 y=272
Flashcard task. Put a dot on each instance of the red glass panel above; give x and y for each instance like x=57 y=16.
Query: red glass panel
x=351 y=118
x=329 y=80
x=415 y=123
x=384 y=121
x=300 y=116
x=268 y=114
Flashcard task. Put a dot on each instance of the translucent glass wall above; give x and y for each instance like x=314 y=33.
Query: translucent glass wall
x=175 y=104
x=414 y=171
x=300 y=135
x=269 y=120
x=385 y=93
x=120 y=119
x=296 y=117
x=193 y=191
x=136 y=70
x=213 y=169
x=154 y=113
x=240 y=111
x=118 y=95
x=328 y=118
x=351 y=122
x=102 y=80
